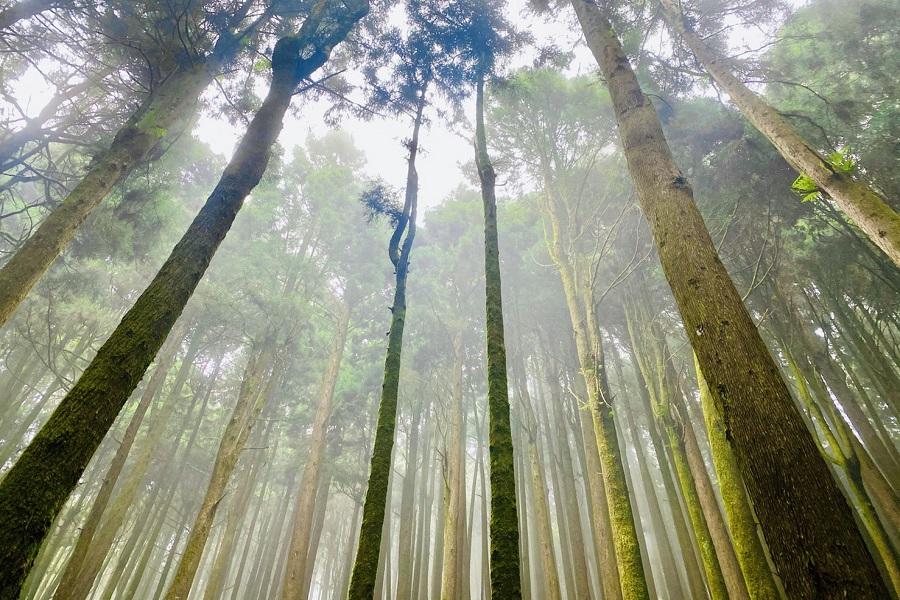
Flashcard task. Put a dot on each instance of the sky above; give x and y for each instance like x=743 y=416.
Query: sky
x=444 y=148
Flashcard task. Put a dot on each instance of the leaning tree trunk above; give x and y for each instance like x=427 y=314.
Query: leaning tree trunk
x=365 y=568
x=295 y=571
x=505 y=582
x=258 y=379
x=169 y=107
x=35 y=489
x=76 y=559
x=25 y=10
x=862 y=204
x=741 y=522
x=808 y=524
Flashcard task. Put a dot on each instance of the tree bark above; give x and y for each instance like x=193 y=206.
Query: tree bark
x=76 y=559
x=808 y=524
x=505 y=581
x=863 y=205
x=34 y=490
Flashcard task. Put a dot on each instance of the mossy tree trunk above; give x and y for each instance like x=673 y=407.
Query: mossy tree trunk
x=807 y=522
x=863 y=205
x=165 y=113
x=365 y=567
x=83 y=542
x=504 y=527
x=741 y=521
x=600 y=402
x=35 y=489
x=841 y=448
x=723 y=574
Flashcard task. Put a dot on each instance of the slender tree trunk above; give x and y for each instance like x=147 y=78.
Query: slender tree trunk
x=579 y=552
x=406 y=550
x=862 y=204
x=840 y=448
x=504 y=521
x=453 y=580
x=695 y=583
x=808 y=524
x=718 y=531
x=667 y=553
x=292 y=587
x=34 y=490
x=258 y=380
x=316 y=534
x=362 y=583
x=76 y=561
x=219 y=568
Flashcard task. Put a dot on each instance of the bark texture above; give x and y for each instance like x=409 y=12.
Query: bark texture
x=365 y=567
x=865 y=207
x=505 y=582
x=36 y=487
x=807 y=522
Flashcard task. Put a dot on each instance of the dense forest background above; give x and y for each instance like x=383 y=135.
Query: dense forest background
x=243 y=462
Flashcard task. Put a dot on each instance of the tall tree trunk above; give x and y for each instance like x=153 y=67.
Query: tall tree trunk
x=25 y=9
x=667 y=552
x=114 y=516
x=257 y=383
x=579 y=552
x=453 y=579
x=504 y=521
x=862 y=204
x=224 y=556
x=541 y=511
x=169 y=107
x=406 y=558
x=34 y=490
x=808 y=524
x=362 y=583
x=590 y=357
x=316 y=534
x=292 y=588
x=690 y=555
x=76 y=560
x=603 y=538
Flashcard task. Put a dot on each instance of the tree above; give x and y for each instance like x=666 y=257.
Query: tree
x=755 y=401
x=62 y=448
x=165 y=111
x=860 y=202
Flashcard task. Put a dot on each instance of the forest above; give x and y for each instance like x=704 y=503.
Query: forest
x=449 y=299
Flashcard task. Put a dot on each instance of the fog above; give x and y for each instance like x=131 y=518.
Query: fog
x=451 y=299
